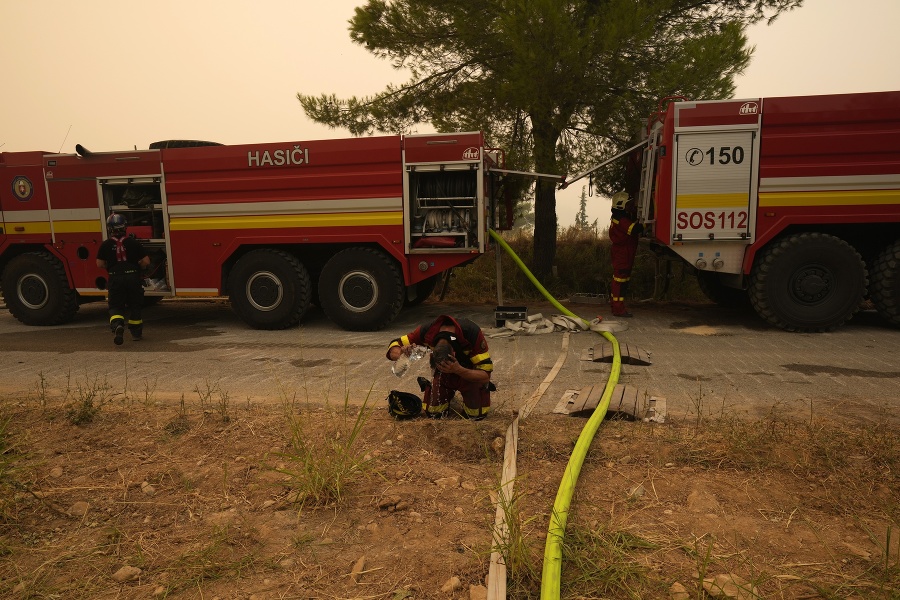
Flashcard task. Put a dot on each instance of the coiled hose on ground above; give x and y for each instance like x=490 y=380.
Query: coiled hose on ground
x=551 y=574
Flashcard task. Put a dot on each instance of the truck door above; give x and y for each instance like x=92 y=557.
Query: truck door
x=715 y=191
x=716 y=164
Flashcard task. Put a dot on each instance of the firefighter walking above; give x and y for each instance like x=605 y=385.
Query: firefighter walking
x=624 y=233
x=123 y=256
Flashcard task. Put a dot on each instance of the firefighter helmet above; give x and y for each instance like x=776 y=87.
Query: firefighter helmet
x=620 y=200
x=403 y=405
x=116 y=224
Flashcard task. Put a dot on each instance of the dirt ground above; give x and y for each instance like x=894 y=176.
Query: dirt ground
x=153 y=499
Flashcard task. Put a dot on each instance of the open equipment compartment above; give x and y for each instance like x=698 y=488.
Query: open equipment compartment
x=140 y=201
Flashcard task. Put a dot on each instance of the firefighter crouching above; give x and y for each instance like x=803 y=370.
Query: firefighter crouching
x=624 y=233
x=460 y=362
x=123 y=257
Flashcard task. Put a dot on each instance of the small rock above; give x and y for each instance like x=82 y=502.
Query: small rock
x=468 y=485
x=453 y=584
x=126 y=573
x=857 y=551
x=625 y=460
x=678 y=592
x=388 y=503
x=477 y=592
x=730 y=586
x=636 y=492
x=159 y=591
x=388 y=442
x=358 y=568
x=148 y=489
x=79 y=509
x=402 y=505
x=448 y=482
x=56 y=472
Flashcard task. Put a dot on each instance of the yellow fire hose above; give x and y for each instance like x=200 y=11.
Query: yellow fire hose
x=550 y=577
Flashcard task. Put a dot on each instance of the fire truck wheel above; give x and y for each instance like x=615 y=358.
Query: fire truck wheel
x=808 y=282
x=361 y=289
x=269 y=289
x=36 y=290
x=420 y=291
x=885 y=287
x=724 y=296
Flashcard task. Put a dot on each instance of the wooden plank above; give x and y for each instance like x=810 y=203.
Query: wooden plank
x=593 y=400
x=567 y=400
x=579 y=400
x=626 y=405
x=496 y=582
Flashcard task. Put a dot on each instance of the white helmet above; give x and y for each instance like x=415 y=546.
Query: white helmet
x=620 y=200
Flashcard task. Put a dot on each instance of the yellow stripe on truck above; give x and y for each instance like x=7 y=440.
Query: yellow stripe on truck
x=286 y=221
x=833 y=198
x=76 y=226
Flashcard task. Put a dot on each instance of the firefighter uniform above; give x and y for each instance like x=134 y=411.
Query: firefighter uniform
x=471 y=351
x=123 y=255
x=623 y=233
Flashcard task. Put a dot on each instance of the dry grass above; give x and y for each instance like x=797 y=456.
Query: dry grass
x=796 y=508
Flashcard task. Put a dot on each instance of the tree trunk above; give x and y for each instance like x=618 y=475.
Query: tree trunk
x=545 y=138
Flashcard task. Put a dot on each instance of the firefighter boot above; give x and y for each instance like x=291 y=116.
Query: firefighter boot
x=618 y=308
x=136 y=328
x=118 y=329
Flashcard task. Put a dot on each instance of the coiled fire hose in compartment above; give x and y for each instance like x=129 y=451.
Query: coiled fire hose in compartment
x=550 y=576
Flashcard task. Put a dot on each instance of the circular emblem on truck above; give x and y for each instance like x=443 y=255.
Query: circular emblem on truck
x=694 y=156
x=22 y=188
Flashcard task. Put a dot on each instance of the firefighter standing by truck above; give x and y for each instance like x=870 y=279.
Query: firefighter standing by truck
x=623 y=232
x=123 y=256
x=460 y=362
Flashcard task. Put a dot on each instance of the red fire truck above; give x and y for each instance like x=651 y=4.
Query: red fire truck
x=358 y=226
x=794 y=202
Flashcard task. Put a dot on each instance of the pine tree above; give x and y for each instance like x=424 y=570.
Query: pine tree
x=557 y=83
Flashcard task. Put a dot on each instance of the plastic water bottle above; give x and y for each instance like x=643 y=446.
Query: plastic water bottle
x=401 y=365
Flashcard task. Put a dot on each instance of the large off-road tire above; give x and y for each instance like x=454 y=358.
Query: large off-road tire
x=711 y=286
x=420 y=291
x=361 y=289
x=269 y=289
x=809 y=282
x=884 y=289
x=36 y=290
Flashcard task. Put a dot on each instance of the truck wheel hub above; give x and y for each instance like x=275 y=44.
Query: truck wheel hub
x=358 y=291
x=264 y=291
x=33 y=292
x=813 y=284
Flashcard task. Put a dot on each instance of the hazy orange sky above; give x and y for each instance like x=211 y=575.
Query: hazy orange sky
x=112 y=75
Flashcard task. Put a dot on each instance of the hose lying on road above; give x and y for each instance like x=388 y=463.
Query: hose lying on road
x=550 y=577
